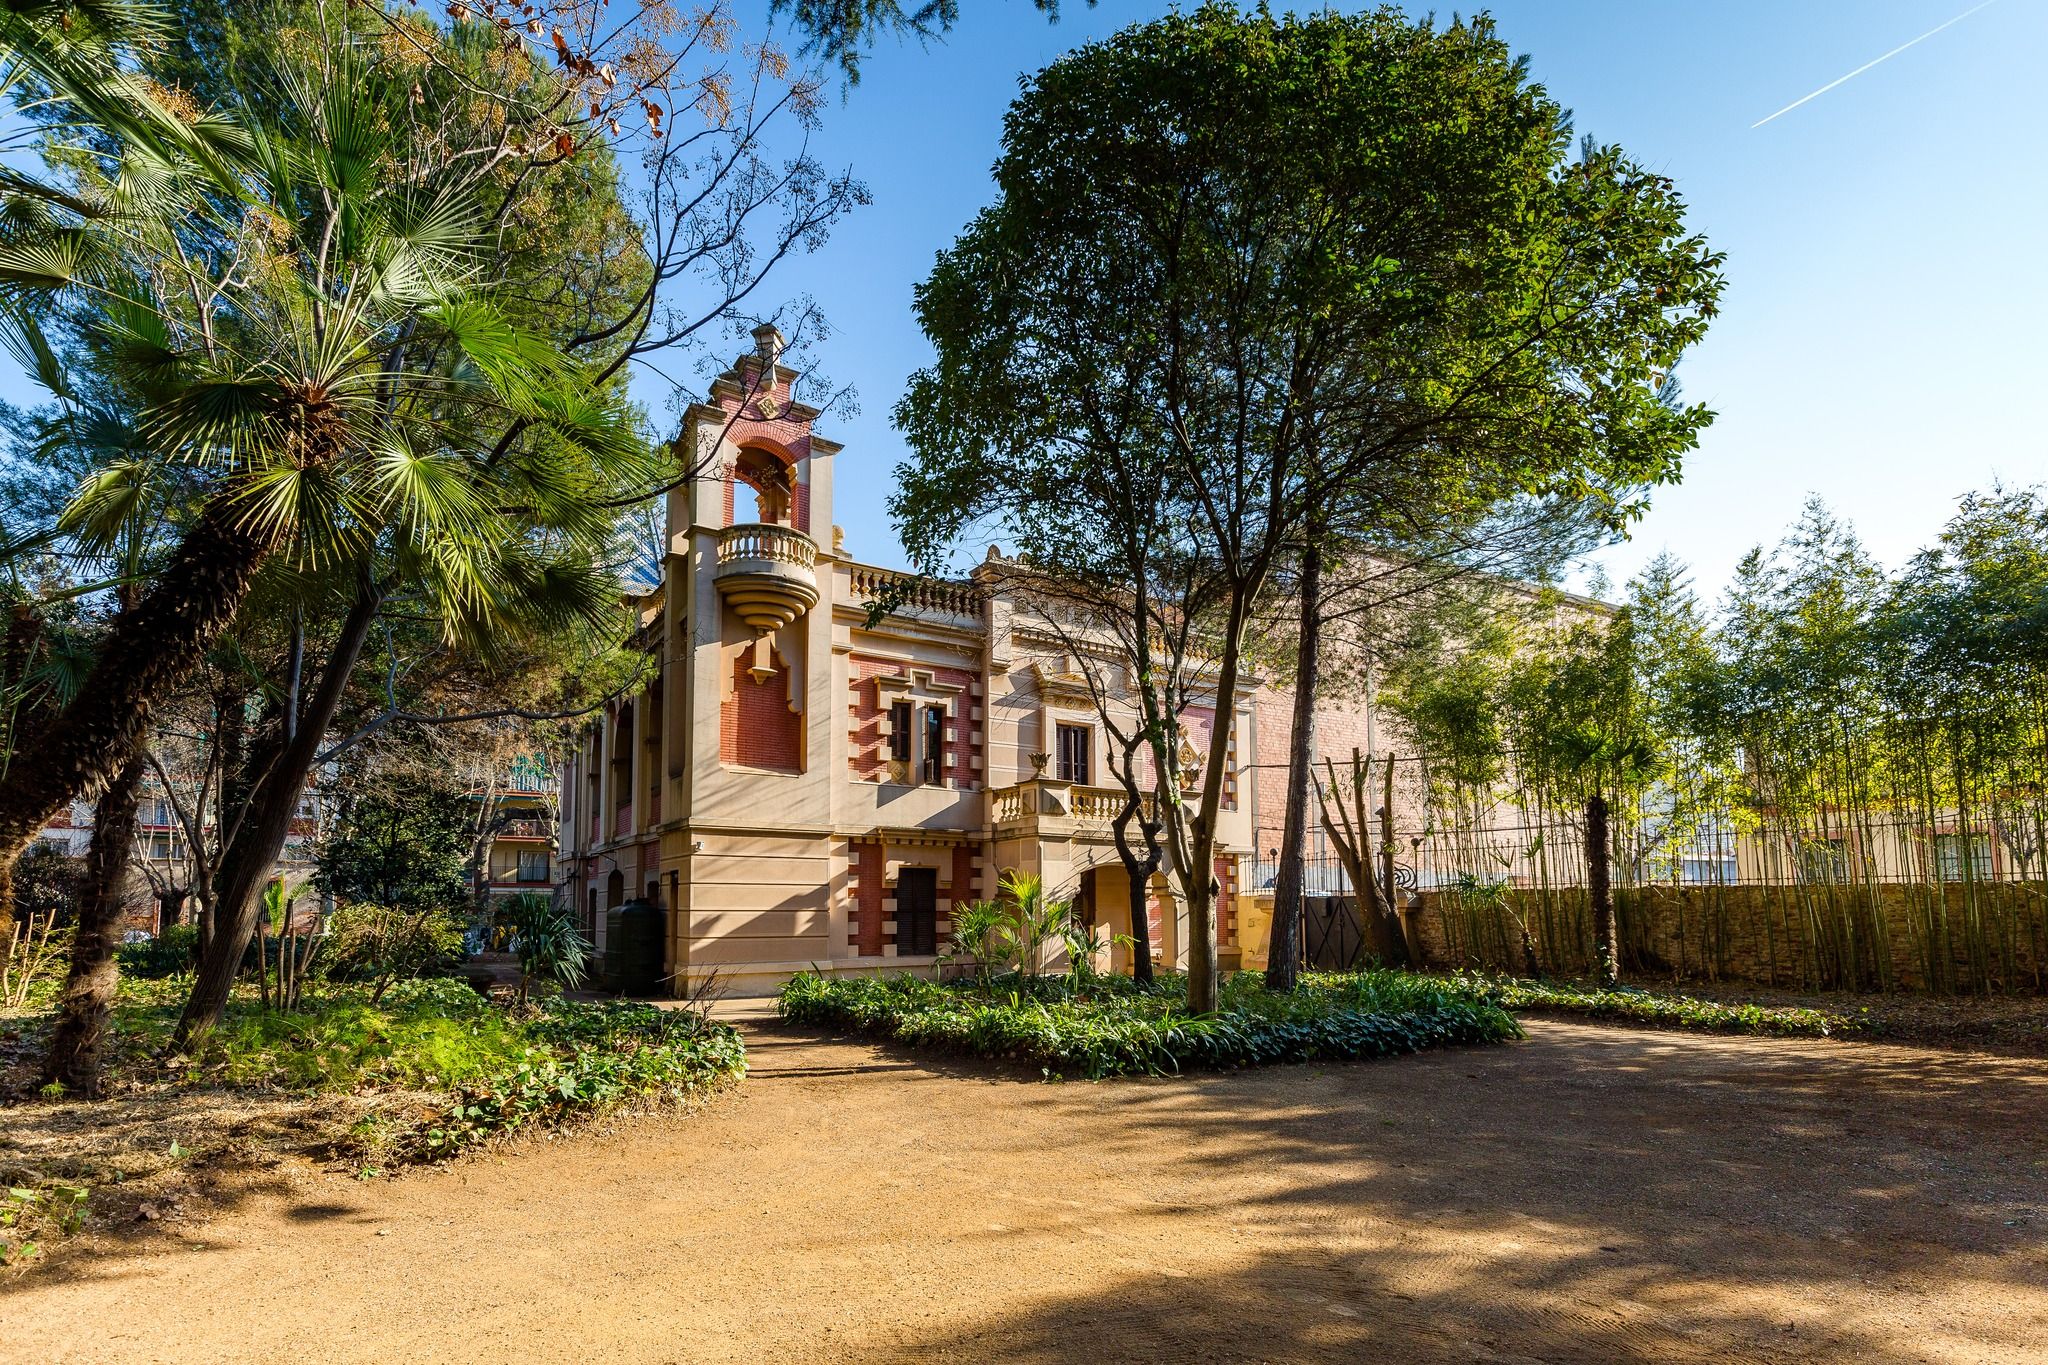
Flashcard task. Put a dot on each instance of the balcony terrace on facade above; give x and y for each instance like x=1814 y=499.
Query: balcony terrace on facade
x=910 y=594
x=1044 y=808
x=767 y=573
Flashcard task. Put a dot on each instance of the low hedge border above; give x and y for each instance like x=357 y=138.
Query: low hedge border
x=1650 y=1007
x=1105 y=1026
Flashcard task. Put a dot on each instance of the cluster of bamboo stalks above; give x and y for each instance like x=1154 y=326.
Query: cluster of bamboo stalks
x=1837 y=781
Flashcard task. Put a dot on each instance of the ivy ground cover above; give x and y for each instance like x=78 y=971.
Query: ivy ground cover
x=1108 y=1026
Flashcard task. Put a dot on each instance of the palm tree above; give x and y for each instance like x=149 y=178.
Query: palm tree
x=314 y=352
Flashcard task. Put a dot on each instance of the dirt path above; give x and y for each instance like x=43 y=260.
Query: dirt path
x=1591 y=1194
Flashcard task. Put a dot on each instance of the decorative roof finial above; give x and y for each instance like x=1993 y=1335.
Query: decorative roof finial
x=768 y=343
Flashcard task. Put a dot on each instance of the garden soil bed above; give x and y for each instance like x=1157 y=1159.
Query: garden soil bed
x=1594 y=1193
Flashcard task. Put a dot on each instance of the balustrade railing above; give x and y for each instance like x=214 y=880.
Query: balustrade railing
x=897 y=591
x=524 y=828
x=1043 y=800
x=765 y=540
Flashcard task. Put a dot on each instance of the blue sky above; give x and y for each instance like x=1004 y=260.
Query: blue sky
x=1887 y=283
x=1886 y=273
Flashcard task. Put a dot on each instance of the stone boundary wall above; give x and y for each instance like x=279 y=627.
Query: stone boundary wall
x=1895 y=936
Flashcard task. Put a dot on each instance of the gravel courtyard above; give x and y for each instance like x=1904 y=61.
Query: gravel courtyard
x=1590 y=1194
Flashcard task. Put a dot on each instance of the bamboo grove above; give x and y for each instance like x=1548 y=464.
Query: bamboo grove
x=1836 y=778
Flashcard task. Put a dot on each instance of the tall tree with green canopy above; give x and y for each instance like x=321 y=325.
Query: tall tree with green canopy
x=303 y=356
x=477 y=127
x=1243 y=267
x=510 y=191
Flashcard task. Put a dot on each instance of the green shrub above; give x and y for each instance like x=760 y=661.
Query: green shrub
x=380 y=945
x=548 y=942
x=1647 y=1007
x=1111 y=1027
x=171 y=953
x=501 y=1069
x=423 y=1034
x=594 y=1055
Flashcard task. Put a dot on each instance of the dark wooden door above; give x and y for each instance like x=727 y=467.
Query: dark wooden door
x=917 y=912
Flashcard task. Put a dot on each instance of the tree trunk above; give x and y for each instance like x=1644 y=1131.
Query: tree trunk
x=87 y=1002
x=1138 y=874
x=247 y=864
x=1600 y=891
x=1283 y=945
x=1198 y=875
x=148 y=650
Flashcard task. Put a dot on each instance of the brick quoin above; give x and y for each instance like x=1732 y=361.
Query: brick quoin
x=963 y=889
x=868 y=873
x=1226 y=900
x=868 y=751
x=756 y=728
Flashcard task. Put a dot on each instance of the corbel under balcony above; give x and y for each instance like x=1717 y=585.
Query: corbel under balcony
x=768 y=574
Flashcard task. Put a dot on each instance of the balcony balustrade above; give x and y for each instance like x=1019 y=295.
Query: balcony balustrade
x=767 y=574
x=1042 y=806
x=907 y=592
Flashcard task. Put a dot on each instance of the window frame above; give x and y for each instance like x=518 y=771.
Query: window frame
x=1073 y=768
x=1960 y=857
x=931 y=765
x=900 y=713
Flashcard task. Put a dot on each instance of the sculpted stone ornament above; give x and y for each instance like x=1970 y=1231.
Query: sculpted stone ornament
x=1190 y=761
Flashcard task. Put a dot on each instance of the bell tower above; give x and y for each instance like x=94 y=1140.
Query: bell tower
x=747 y=666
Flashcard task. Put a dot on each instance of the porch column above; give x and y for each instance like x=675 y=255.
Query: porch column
x=637 y=764
x=607 y=799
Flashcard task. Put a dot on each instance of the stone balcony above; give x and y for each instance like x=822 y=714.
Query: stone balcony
x=767 y=574
x=1042 y=807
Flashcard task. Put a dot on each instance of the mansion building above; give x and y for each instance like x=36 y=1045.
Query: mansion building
x=800 y=785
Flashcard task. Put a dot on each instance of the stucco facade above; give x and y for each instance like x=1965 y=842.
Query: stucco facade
x=798 y=785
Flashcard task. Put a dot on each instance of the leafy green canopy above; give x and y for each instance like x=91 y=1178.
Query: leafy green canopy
x=1268 y=263
x=323 y=339
x=1246 y=274
x=403 y=844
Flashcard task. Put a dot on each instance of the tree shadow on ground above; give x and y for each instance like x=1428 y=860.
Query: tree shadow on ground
x=1596 y=1194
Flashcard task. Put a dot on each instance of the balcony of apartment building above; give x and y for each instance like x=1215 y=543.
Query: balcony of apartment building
x=528 y=869
x=523 y=829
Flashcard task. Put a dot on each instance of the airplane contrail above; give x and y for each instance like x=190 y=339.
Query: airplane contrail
x=1867 y=65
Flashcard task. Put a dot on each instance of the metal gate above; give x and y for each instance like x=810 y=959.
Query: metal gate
x=1330 y=940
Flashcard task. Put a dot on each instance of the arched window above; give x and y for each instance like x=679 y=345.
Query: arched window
x=760 y=488
x=746 y=503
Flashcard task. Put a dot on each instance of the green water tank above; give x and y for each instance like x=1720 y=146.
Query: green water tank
x=632 y=948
